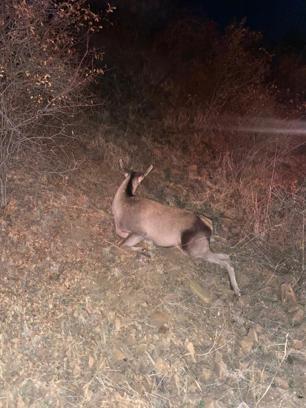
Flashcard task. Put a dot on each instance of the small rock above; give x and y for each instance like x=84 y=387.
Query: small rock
x=297 y=317
x=221 y=369
x=235 y=229
x=199 y=291
x=253 y=334
x=190 y=348
x=288 y=295
x=242 y=301
x=130 y=340
x=293 y=309
x=206 y=374
x=117 y=324
x=119 y=355
x=91 y=361
x=297 y=344
x=162 y=367
x=244 y=365
x=281 y=383
x=297 y=357
x=141 y=348
x=258 y=328
x=159 y=318
x=193 y=173
x=214 y=404
x=270 y=293
x=247 y=343
x=163 y=329
x=20 y=402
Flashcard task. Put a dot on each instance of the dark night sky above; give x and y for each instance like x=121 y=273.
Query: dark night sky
x=275 y=18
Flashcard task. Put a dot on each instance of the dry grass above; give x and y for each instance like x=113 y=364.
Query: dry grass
x=85 y=323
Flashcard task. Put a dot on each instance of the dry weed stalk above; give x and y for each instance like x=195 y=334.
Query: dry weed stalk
x=285 y=355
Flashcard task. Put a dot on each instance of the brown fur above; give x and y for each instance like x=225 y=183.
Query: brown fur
x=138 y=218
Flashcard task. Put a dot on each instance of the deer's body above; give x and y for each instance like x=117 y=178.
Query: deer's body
x=137 y=218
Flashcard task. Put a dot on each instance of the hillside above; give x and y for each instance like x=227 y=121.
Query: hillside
x=87 y=323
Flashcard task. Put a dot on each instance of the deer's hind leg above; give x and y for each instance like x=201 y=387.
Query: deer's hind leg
x=224 y=261
x=120 y=232
x=131 y=240
x=196 y=244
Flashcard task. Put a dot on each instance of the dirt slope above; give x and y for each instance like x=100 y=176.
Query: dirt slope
x=85 y=323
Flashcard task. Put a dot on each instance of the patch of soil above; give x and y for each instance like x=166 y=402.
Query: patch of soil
x=85 y=322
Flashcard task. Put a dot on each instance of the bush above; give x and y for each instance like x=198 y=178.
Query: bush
x=46 y=65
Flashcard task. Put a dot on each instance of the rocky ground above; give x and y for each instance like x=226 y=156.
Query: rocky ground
x=86 y=323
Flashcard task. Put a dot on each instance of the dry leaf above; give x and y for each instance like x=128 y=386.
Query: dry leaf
x=91 y=361
x=190 y=348
x=200 y=292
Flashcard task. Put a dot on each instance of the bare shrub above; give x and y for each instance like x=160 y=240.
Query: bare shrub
x=46 y=65
x=187 y=75
x=215 y=61
x=260 y=186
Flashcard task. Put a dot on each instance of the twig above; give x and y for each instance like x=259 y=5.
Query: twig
x=270 y=190
x=273 y=378
x=303 y=243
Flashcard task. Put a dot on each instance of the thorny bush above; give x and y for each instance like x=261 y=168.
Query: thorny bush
x=46 y=65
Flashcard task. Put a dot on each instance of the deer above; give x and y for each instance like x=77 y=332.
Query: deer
x=138 y=218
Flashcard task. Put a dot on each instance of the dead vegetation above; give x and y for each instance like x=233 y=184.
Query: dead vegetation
x=87 y=323
x=46 y=66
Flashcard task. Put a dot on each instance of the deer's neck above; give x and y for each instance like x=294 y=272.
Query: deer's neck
x=123 y=194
